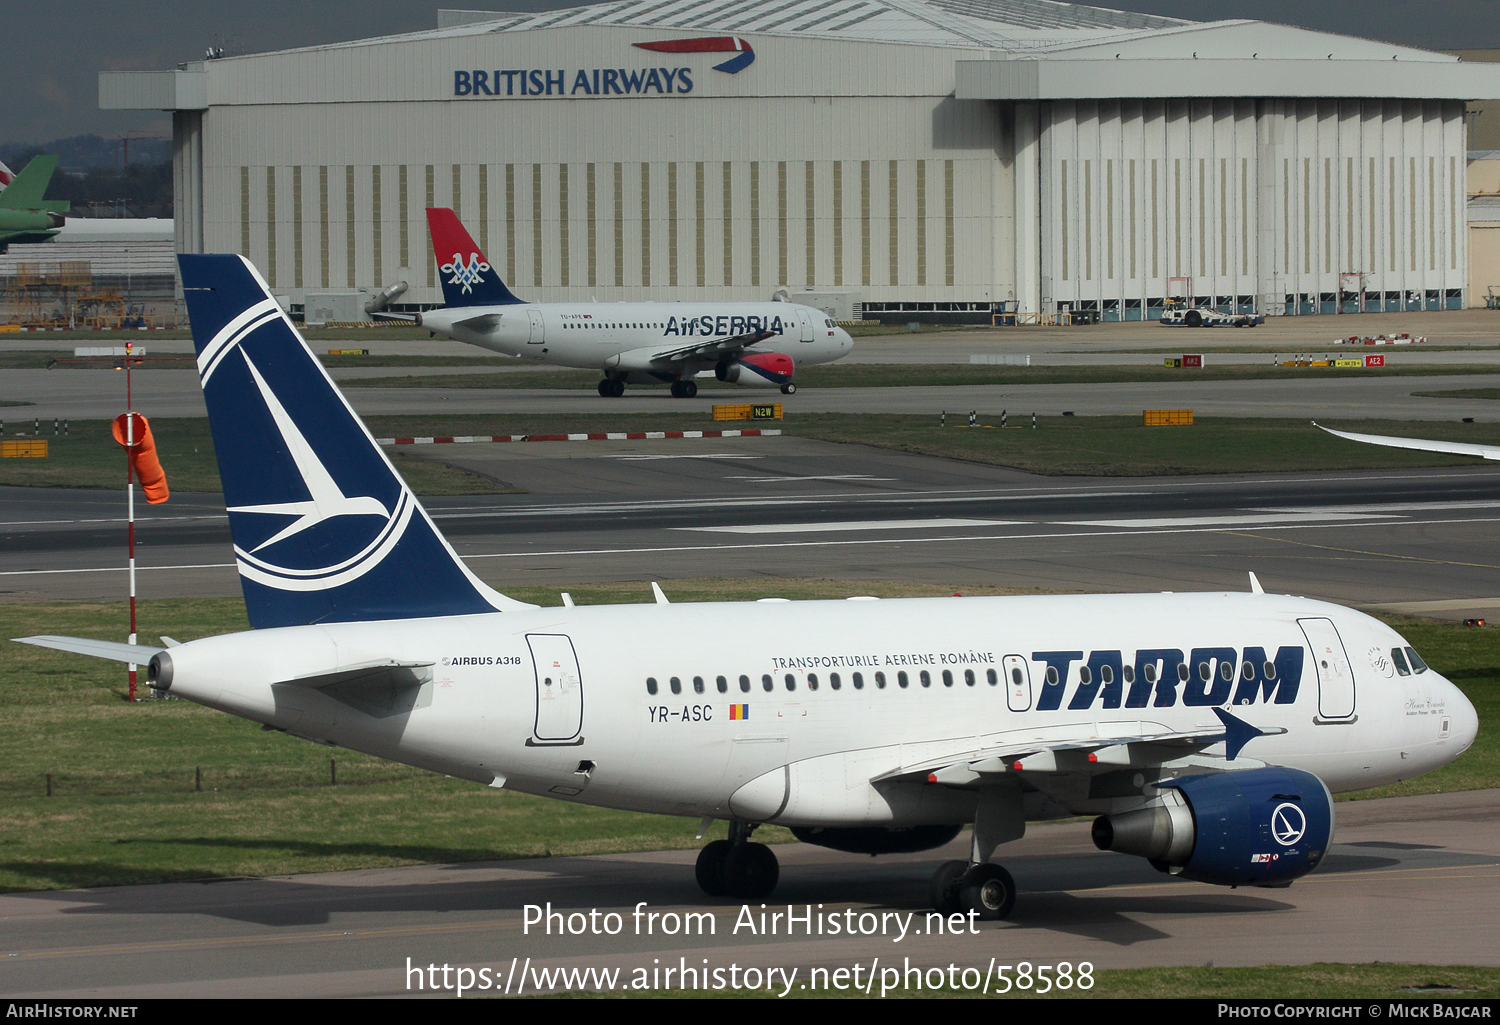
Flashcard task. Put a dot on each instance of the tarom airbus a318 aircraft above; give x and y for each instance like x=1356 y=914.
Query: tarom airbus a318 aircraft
x=752 y=344
x=1206 y=732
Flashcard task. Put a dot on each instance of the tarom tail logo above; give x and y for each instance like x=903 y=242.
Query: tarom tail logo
x=710 y=44
x=467 y=276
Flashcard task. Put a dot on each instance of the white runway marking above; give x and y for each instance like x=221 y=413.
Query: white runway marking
x=803 y=528
x=1265 y=519
x=828 y=476
x=637 y=457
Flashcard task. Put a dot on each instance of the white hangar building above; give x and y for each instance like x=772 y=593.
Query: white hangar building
x=918 y=156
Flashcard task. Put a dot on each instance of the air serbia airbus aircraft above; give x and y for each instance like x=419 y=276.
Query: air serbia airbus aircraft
x=756 y=345
x=1206 y=731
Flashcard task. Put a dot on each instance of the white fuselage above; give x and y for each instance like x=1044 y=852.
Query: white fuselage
x=807 y=754
x=624 y=336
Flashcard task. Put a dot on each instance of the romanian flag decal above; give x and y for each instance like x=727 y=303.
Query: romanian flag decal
x=709 y=44
x=739 y=712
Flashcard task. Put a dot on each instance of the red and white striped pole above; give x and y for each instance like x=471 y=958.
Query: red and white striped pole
x=130 y=504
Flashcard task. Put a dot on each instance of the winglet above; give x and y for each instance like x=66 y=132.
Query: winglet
x=661 y=598
x=1237 y=733
x=1255 y=587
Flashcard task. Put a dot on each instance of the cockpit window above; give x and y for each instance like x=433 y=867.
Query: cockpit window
x=1399 y=658
x=1416 y=660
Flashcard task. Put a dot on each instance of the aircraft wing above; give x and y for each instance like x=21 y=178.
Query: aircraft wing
x=1095 y=755
x=712 y=349
x=1457 y=448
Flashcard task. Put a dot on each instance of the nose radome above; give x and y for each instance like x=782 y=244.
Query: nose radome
x=1465 y=725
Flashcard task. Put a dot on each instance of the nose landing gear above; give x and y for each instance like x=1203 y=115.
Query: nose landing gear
x=737 y=867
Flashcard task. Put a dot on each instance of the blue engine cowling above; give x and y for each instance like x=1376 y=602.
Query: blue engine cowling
x=1250 y=827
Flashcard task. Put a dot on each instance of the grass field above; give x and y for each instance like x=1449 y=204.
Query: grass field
x=125 y=808
x=87 y=457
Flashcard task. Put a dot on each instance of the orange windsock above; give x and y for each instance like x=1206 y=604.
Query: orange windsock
x=142 y=452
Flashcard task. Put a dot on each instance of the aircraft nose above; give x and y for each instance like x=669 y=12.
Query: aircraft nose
x=1465 y=725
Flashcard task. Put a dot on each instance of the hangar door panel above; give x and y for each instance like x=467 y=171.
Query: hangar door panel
x=559 y=688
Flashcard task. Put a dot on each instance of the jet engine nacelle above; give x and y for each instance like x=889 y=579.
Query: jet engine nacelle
x=761 y=370
x=1250 y=827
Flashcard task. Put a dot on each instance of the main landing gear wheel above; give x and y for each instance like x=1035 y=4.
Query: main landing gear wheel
x=789 y=389
x=611 y=388
x=751 y=871
x=945 y=886
x=710 y=868
x=736 y=867
x=988 y=891
x=684 y=389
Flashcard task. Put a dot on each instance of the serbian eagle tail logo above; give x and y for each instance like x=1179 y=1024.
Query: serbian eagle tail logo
x=468 y=278
x=324 y=528
x=710 y=44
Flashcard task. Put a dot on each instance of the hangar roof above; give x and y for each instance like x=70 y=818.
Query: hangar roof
x=1007 y=27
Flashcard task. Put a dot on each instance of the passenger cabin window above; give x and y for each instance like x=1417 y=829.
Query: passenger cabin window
x=723 y=685
x=1182 y=672
x=969 y=677
x=833 y=680
x=812 y=681
x=947 y=678
x=744 y=685
x=767 y=684
x=859 y=681
x=901 y=680
x=791 y=682
x=676 y=685
x=697 y=685
x=1226 y=671
x=880 y=681
x=926 y=678
x=1085 y=675
x=650 y=685
x=1107 y=674
x=1128 y=672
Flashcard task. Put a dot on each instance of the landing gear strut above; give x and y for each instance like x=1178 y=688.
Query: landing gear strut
x=976 y=885
x=736 y=867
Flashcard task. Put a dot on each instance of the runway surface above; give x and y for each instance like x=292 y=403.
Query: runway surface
x=1408 y=880
x=95 y=395
x=1419 y=541
x=767 y=508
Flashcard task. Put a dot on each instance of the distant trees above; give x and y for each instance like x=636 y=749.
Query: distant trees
x=89 y=175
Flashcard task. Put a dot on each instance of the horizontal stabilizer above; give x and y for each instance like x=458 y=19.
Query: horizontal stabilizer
x=378 y=689
x=138 y=654
x=378 y=674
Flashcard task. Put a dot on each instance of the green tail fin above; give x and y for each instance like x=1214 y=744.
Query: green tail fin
x=27 y=188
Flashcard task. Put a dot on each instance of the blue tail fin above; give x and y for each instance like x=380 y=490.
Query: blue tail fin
x=325 y=530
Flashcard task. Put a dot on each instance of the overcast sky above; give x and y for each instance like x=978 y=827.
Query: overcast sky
x=50 y=74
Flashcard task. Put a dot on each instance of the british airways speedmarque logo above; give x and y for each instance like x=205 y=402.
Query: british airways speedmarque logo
x=465 y=275
x=709 y=44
